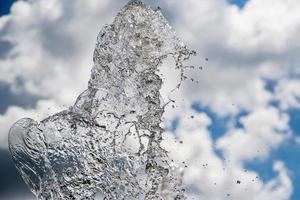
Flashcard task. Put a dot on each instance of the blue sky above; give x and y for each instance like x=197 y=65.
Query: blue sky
x=239 y=3
x=5 y=6
x=253 y=71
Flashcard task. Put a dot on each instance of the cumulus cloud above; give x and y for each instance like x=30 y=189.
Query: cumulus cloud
x=50 y=52
x=243 y=46
x=52 y=41
x=43 y=109
x=264 y=129
x=208 y=176
x=288 y=93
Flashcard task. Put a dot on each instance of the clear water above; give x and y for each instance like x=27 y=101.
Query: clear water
x=108 y=144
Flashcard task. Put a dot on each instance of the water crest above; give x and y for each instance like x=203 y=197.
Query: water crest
x=110 y=139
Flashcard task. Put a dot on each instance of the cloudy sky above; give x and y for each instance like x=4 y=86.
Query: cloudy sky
x=240 y=125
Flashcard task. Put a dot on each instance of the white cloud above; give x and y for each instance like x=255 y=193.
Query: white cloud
x=53 y=43
x=242 y=46
x=43 y=109
x=209 y=176
x=264 y=130
x=288 y=93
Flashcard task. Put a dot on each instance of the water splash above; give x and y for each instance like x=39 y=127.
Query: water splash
x=110 y=140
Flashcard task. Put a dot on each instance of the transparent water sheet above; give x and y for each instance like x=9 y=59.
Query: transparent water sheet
x=110 y=139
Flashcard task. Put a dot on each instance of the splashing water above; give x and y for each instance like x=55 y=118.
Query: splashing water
x=110 y=140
